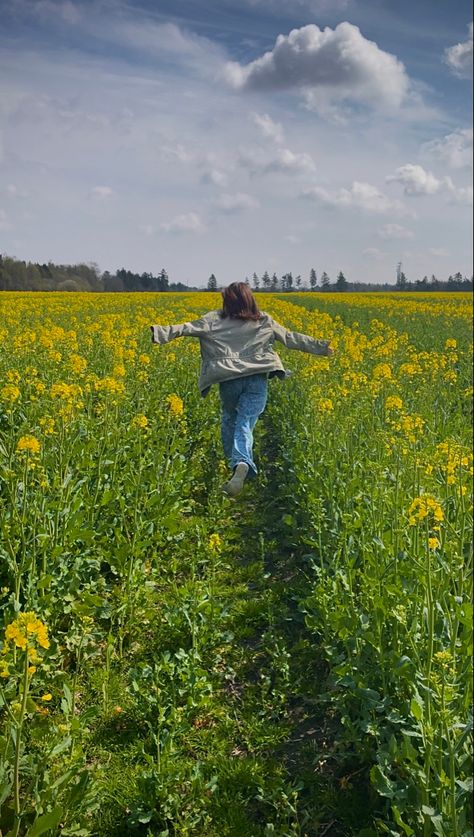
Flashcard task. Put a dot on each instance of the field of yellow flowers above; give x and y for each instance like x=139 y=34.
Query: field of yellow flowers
x=296 y=662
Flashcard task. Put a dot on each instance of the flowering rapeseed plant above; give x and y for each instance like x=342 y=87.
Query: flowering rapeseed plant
x=175 y=405
x=28 y=444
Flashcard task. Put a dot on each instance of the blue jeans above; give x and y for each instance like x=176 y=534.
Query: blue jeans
x=242 y=400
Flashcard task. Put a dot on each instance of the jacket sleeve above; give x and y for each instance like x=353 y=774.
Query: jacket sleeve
x=302 y=342
x=163 y=334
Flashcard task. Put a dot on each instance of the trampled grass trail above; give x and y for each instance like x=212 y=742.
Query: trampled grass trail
x=256 y=751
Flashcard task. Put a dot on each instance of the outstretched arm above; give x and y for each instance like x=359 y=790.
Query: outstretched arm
x=302 y=342
x=163 y=334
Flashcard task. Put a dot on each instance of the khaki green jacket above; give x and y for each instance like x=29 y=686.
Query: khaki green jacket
x=231 y=348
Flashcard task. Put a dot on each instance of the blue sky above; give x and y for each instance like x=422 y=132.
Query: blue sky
x=233 y=137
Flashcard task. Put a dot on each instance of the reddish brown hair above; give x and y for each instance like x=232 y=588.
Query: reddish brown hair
x=238 y=302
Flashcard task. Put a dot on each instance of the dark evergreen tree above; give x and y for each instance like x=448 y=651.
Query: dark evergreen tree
x=266 y=281
x=341 y=283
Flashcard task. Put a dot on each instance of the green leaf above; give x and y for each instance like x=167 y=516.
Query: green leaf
x=381 y=782
x=398 y=819
x=45 y=822
x=416 y=707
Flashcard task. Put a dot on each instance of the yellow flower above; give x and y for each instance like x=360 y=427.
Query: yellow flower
x=423 y=507
x=26 y=631
x=10 y=392
x=215 y=543
x=144 y=359
x=433 y=543
x=450 y=376
x=175 y=405
x=28 y=443
x=47 y=697
x=119 y=370
x=325 y=405
x=139 y=421
x=109 y=386
x=13 y=376
x=77 y=363
x=444 y=659
x=393 y=402
x=383 y=371
x=48 y=424
x=451 y=343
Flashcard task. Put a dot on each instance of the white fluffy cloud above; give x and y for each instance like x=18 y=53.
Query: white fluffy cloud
x=416 y=180
x=190 y=222
x=455 y=150
x=358 y=195
x=326 y=64
x=459 y=57
x=394 y=231
x=238 y=202
x=269 y=129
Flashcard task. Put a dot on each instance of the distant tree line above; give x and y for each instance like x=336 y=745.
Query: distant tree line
x=287 y=283
x=17 y=275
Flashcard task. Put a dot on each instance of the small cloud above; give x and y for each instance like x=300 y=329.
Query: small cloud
x=374 y=253
x=283 y=161
x=439 y=252
x=325 y=65
x=459 y=57
x=147 y=229
x=216 y=177
x=15 y=192
x=4 y=225
x=394 y=231
x=101 y=193
x=292 y=239
x=416 y=180
x=358 y=195
x=65 y=11
x=453 y=149
x=238 y=202
x=190 y=222
x=461 y=194
x=177 y=153
x=269 y=129
x=309 y=6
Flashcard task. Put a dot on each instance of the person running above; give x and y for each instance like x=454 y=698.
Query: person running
x=237 y=353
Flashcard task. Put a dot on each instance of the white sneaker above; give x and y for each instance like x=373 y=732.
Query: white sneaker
x=236 y=483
